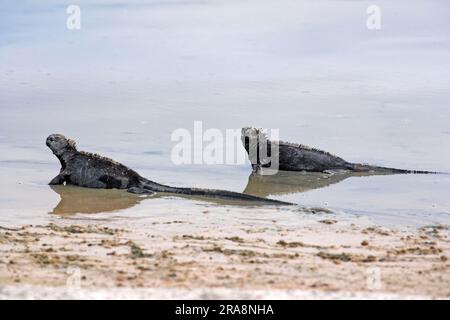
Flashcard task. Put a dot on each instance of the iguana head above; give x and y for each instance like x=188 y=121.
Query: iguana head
x=59 y=144
x=255 y=140
x=251 y=137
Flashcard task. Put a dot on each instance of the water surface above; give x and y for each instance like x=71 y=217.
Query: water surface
x=136 y=71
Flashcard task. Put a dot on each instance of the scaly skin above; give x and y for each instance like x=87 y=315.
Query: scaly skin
x=297 y=157
x=93 y=171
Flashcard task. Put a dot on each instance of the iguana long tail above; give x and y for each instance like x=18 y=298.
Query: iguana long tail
x=210 y=193
x=368 y=168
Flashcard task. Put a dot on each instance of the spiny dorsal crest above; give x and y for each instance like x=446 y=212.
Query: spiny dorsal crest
x=261 y=135
x=96 y=156
x=72 y=144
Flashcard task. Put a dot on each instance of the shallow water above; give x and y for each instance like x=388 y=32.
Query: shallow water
x=137 y=71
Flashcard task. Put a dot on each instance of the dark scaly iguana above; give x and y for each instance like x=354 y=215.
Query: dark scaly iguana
x=93 y=171
x=297 y=157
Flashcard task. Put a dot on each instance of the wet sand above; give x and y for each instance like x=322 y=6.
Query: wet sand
x=320 y=257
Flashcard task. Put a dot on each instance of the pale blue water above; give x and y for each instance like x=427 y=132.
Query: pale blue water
x=136 y=71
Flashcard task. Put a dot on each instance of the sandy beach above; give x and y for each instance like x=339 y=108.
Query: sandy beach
x=318 y=258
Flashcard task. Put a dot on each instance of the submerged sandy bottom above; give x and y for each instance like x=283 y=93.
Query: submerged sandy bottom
x=317 y=257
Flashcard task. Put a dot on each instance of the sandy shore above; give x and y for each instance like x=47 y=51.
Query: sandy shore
x=322 y=258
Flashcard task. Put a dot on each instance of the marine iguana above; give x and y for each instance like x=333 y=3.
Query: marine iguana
x=91 y=170
x=297 y=157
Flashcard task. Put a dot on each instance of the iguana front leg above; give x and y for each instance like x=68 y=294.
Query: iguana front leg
x=59 y=179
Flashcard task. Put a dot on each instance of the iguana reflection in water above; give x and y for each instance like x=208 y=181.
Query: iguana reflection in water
x=82 y=200
x=285 y=182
